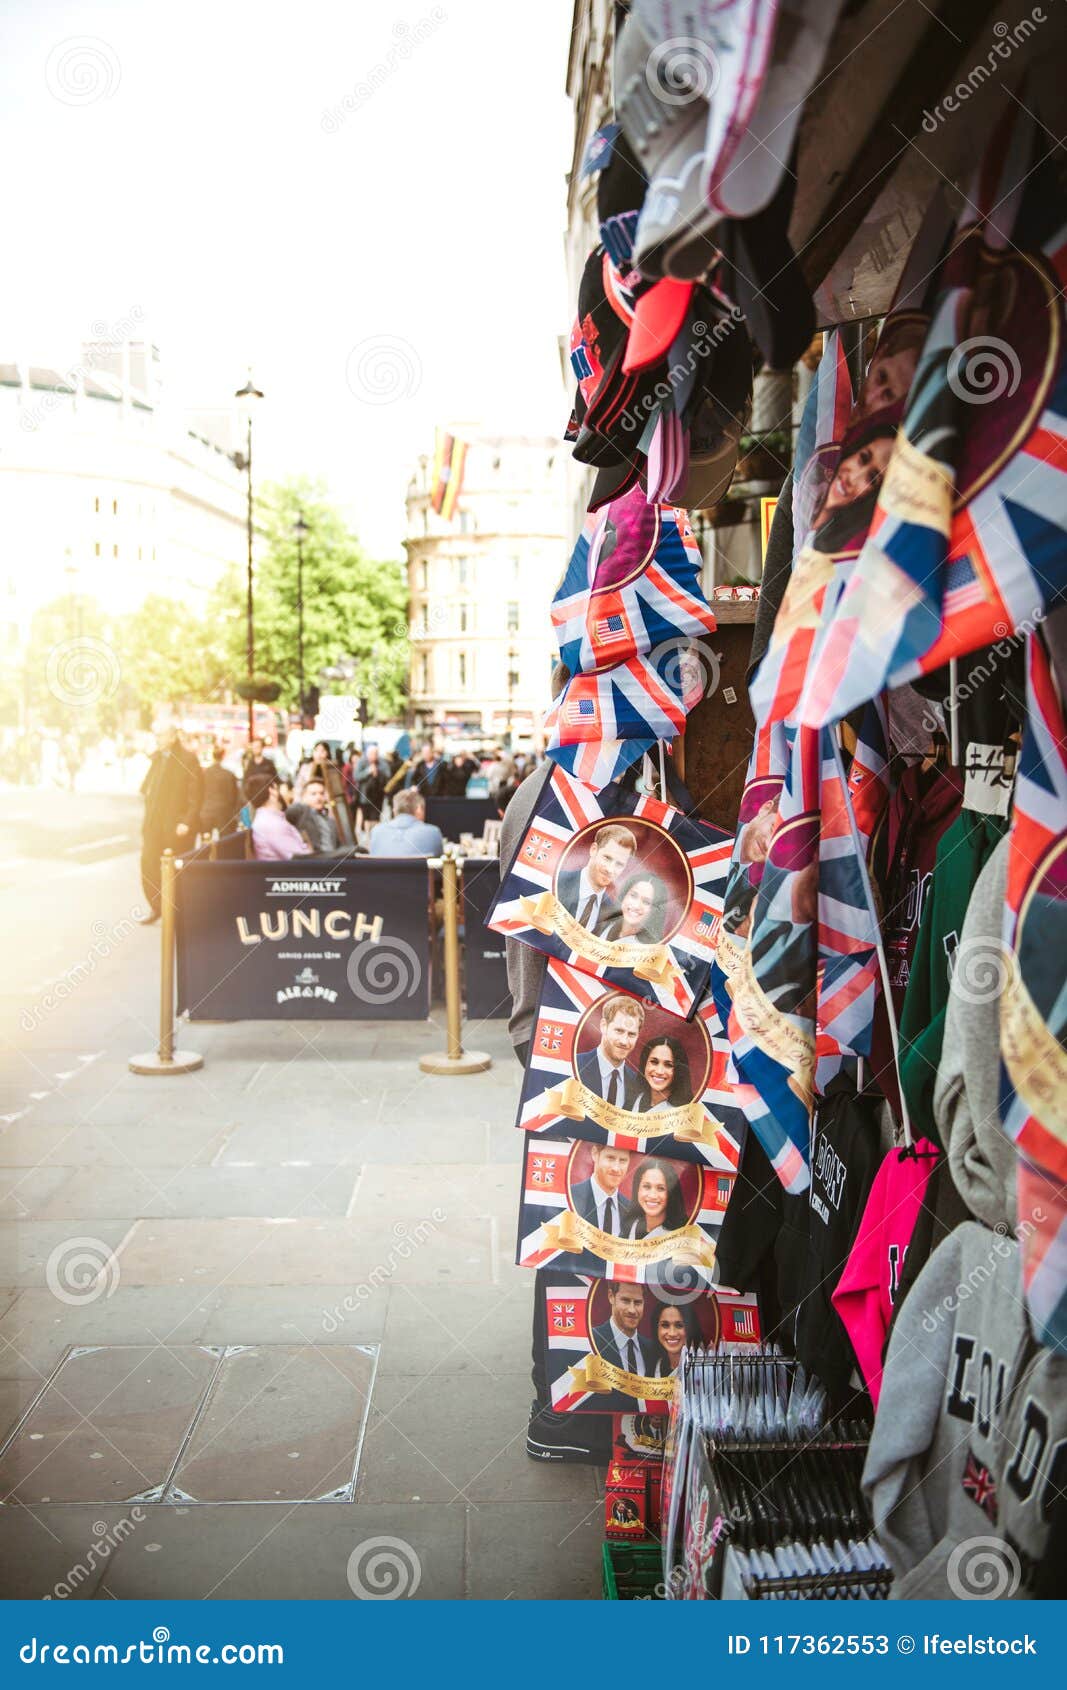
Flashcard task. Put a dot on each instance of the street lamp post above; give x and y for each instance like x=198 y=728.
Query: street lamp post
x=246 y=397
x=512 y=660
x=300 y=529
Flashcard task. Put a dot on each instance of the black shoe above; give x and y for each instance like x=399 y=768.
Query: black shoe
x=147 y=920
x=562 y=1437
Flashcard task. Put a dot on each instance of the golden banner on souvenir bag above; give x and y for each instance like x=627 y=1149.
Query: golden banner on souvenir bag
x=539 y=912
x=1033 y=1056
x=688 y=1121
x=729 y=955
x=916 y=488
x=773 y=1032
x=593 y=1373
x=687 y=1245
x=545 y=914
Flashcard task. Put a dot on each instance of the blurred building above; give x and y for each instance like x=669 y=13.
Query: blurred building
x=107 y=492
x=480 y=586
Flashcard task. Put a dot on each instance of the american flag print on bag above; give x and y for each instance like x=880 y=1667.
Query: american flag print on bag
x=631 y=892
x=672 y=1096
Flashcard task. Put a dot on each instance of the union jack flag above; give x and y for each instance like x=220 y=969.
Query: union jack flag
x=634 y=705
x=981 y=1486
x=978 y=472
x=801 y=993
x=536 y=848
x=543 y=1170
x=1033 y=1008
x=672 y=964
x=563 y=1318
x=551 y=1039
x=632 y=584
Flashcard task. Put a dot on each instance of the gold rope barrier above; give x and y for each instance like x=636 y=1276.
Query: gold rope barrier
x=454 y=1060
x=166 y=1060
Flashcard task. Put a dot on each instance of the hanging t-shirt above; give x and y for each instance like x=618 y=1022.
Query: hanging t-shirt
x=961 y=856
x=818 y=1232
x=867 y=1290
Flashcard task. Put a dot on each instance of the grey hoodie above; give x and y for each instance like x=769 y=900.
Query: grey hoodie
x=970 y=1441
x=981 y=1156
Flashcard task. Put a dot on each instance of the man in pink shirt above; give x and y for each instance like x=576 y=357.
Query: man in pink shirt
x=273 y=838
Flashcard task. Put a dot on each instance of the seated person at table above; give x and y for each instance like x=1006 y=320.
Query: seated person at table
x=312 y=818
x=640 y=917
x=273 y=838
x=605 y=1070
x=408 y=834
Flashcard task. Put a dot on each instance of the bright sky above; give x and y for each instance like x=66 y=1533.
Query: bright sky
x=198 y=162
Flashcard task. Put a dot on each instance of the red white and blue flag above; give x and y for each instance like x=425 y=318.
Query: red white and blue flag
x=968 y=541
x=632 y=583
x=1033 y=1008
x=567 y=1027
x=670 y=871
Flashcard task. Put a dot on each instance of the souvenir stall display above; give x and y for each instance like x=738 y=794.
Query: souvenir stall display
x=798 y=1068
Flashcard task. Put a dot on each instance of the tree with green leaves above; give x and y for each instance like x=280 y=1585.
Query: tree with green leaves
x=353 y=606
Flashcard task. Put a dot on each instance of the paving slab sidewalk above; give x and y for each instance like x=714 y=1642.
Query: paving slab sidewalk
x=309 y=1189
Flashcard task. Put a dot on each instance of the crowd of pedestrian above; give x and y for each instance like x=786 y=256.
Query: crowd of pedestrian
x=332 y=799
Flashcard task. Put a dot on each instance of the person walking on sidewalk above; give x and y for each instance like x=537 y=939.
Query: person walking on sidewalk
x=221 y=803
x=172 y=791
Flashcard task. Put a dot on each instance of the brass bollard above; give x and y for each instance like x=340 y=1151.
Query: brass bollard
x=166 y=1060
x=454 y=1060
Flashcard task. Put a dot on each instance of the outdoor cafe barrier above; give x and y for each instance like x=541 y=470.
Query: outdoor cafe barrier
x=328 y=938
